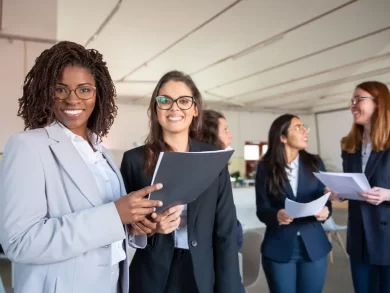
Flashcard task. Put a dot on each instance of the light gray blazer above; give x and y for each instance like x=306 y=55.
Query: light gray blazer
x=53 y=222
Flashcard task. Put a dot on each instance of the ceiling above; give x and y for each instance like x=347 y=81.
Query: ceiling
x=302 y=56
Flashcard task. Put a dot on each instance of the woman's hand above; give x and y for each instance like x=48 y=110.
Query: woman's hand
x=283 y=218
x=376 y=195
x=168 y=221
x=144 y=227
x=323 y=214
x=334 y=196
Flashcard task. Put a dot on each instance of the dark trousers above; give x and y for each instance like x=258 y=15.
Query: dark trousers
x=300 y=275
x=181 y=277
x=368 y=278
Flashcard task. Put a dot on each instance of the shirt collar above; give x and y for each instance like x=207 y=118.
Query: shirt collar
x=295 y=163
x=92 y=137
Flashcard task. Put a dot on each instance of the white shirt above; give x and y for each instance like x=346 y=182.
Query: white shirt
x=106 y=179
x=366 y=155
x=181 y=233
x=292 y=175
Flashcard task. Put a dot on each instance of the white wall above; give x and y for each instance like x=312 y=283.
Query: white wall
x=17 y=57
x=332 y=127
x=132 y=126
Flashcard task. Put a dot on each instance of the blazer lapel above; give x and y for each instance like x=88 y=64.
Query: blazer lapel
x=114 y=167
x=289 y=192
x=193 y=207
x=373 y=161
x=302 y=179
x=74 y=165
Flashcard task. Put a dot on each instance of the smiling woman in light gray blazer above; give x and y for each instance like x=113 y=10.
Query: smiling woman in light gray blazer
x=63 y=206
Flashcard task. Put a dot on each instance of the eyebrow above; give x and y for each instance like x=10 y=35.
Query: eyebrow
x=81 y=84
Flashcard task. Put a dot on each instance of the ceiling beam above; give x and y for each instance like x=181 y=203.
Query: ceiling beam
x=323 y=85
x=104 y=23
x=181 y=39
x=12 y=37
x=311 y=75
x=1 y=15
x=300 y=58
x=273 y=38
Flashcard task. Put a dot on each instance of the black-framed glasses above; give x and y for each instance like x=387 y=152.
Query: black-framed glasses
x=84 y=92
x=301 y=128
x=357 y=100
x=165 y=102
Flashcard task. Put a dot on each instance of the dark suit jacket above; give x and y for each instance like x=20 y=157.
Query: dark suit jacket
x=278 y=240
x=212 y=235
x=368 y=236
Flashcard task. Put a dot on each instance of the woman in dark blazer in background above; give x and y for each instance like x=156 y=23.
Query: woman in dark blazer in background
x=216 y=132
x=200 y=256
x=367 y=149
x=294 y=251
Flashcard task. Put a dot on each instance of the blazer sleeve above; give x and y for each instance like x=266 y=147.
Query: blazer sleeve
x=264 y=210
x=227 y=274
x=27 y=234
x=240 y=235
x=321 y=187
x=134 y=241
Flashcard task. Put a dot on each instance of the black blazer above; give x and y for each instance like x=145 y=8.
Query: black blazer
x=278 y=240
x=368 y=235
x=212 y=235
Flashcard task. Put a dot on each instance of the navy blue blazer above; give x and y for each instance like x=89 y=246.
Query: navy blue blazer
x=279 y=239
x=368 y=235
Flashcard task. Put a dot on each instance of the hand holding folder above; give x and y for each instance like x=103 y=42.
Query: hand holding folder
x=186 y=175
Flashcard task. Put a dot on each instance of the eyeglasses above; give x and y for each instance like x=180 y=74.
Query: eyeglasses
x=357 y=100
x=301 y=128
x=165 y=102
x=84 y=92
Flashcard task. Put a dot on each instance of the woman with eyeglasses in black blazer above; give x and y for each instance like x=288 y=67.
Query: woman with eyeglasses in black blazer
x=191 y=249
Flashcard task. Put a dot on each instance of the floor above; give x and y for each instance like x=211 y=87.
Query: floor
x=338 y=276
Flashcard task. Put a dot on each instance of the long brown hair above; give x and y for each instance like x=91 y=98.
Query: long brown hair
x=210 y=133
x=380 y=130
x=154 y=143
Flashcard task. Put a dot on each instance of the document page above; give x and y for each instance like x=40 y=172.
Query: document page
x=348 y=185
x=300 y=210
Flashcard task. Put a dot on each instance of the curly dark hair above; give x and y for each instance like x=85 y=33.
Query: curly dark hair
x=36 y=104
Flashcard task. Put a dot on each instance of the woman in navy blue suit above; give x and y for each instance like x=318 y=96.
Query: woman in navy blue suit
x=294 y=251
x=367 y=149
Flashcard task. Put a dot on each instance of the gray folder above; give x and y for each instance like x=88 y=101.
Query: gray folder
x=185 y=176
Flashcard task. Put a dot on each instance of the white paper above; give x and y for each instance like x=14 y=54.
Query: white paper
x=347 y=185
x=300 y=210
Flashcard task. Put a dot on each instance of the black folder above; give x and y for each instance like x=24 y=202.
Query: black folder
x=185 y=176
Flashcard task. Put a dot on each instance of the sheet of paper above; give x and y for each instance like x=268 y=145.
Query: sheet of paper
x=348 y=185
x=300 y=210
x=360 y=178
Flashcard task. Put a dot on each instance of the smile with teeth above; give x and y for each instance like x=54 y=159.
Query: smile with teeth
x=175 y=118
x=73 y=112
x=355 y=113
